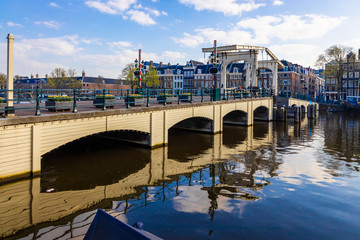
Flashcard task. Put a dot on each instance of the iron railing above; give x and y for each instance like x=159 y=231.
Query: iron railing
x=40 y=99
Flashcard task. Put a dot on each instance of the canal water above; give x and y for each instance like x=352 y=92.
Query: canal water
x=269 y=181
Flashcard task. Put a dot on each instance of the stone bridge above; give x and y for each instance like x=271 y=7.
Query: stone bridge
x=23 y=140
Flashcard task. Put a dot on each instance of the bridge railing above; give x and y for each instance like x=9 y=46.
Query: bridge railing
x=36 y=101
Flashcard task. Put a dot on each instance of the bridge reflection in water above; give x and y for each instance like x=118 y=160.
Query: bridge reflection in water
x=76 y=181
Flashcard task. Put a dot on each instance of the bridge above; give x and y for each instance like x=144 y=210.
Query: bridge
x=25 y=139
x=26 y=203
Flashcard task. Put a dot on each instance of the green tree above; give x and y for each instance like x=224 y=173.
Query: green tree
x=334 y=60
x=130 y=78
x=3 y=81
x=151 y=78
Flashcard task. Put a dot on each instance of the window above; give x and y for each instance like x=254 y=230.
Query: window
x=199 y=71
x=351 y=75
x=289 y=82
x=345 y=75
x=285 y=82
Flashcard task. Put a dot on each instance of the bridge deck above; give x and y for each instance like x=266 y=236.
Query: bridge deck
x=25 y=112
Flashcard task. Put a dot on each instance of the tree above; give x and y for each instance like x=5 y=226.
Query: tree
x=60 y=78
x=334 y=60
x=100 y=82
x=128 y=74
x=151 y=78
x=3 y=81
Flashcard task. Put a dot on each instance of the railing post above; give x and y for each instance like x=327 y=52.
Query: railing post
x=178 y=96
x=147 y=97
x=164 y=97
x=191 y=97
x=202 y=95
x=75 y=102
x=37 y=112
x=104 y=100
x=127 y=99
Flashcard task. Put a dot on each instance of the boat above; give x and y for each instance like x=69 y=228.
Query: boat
x=106 y=227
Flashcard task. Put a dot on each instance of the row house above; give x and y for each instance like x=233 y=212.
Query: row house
x=348 y=87
x=350 y=79
x=295 y=79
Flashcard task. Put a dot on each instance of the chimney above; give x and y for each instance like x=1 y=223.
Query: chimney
x=83 y=73
x=46 y=76
x=37 y=75
x=359 y=54
x=32 y=76
x=151 y=63
x=160 y=64
x=169 y=64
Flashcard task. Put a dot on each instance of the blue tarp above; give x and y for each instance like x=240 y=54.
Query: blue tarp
x=105 y=226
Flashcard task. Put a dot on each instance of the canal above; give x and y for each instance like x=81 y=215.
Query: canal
x=269 y=181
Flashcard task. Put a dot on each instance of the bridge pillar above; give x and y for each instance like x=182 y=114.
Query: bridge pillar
x=217 y=119
x=250 y=113
x=35 y=151
x=158 y=129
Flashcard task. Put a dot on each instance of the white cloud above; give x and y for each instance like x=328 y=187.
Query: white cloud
x=263 y=29
x=12 y=24
x=228 y=7
x=207 y=35
x=140 y=17
x=52 y=4
x=128 y=9
x=290 y=27
x=120 y=44
x=277 y=3
x=303 y=54
x=49 y=24
x=42 y=55
x=111 y=6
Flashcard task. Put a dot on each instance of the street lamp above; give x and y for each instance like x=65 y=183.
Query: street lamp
x=214 y=58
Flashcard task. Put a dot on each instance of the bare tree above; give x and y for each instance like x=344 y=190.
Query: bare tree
x=334 y=60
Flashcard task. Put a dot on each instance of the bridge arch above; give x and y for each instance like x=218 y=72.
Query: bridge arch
x=261 y=113
x=236 y=117
x=202 y=124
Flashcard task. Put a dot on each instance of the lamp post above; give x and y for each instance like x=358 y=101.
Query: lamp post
x=139 y=66
x=215 y=61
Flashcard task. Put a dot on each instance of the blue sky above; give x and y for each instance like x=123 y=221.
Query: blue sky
x=102 y=36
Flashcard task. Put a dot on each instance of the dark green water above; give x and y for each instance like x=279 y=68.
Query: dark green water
x=270 y=181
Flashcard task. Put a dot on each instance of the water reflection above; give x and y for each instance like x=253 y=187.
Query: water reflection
x=211 y=179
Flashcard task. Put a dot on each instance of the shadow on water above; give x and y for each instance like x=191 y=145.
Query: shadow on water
x=234 y=135
x=90 y=162
x=185 y=146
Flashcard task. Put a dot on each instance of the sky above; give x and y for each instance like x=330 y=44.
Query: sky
x=102 y=36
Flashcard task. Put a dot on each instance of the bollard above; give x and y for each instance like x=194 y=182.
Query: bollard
x=297 y=114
